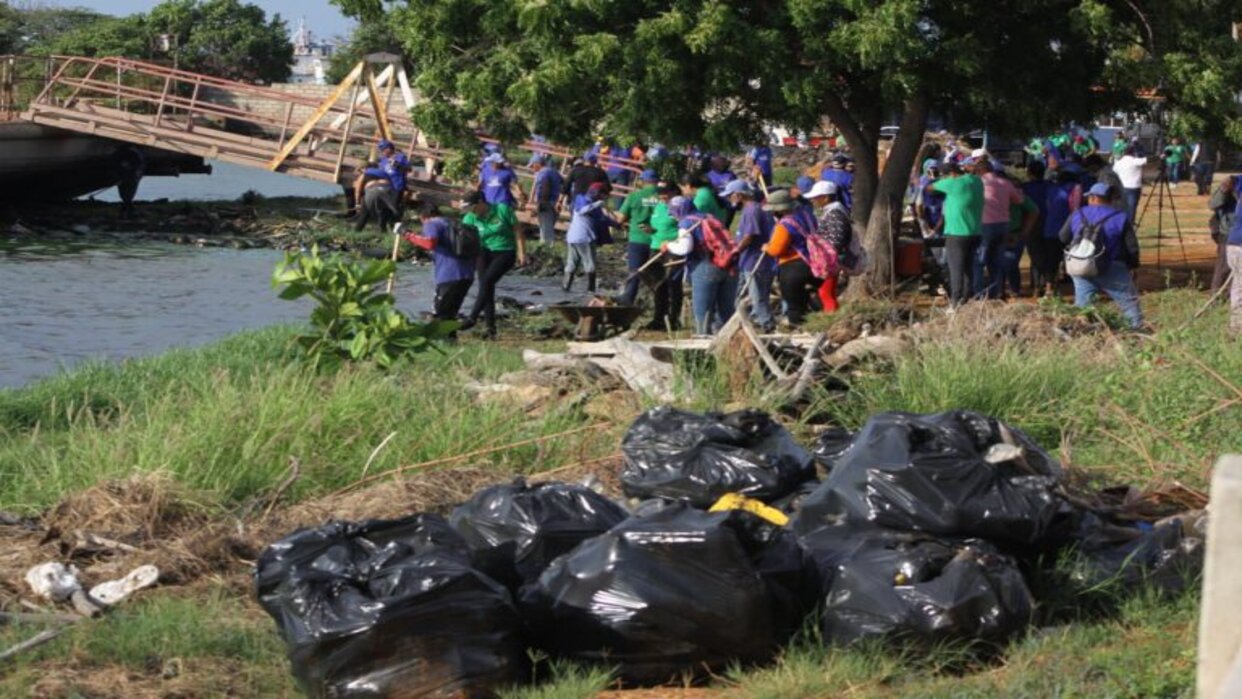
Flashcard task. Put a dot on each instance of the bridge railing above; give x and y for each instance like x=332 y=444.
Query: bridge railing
x=21 y=79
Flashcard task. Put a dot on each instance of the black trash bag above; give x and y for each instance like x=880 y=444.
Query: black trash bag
x=516 y=529
x=790 y=504
x=673 y=591
x=1109 y=557
x=907 y=586
x=679 y=455
x=830 y=445
x=956 y=474
x=390 y=608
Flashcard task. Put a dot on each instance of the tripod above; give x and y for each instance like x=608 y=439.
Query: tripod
x=1159 y=191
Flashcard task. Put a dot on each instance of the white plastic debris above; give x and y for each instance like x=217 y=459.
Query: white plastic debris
x=53 y=581
x=114 y=591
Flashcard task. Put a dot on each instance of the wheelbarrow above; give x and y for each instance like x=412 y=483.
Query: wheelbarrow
x=596 y=320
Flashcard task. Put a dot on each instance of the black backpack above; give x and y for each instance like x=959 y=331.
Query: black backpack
x=463 y=240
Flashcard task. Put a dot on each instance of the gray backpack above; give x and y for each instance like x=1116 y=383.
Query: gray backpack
x=1081 y=258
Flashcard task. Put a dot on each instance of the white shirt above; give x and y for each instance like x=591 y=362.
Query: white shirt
x=1129 y=170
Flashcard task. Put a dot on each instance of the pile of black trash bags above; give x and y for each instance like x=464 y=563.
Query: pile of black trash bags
x=926 y=528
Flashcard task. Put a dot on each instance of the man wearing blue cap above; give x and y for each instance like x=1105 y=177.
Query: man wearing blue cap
x=1115 y=252
x=754 y=230
x=545 y=196
x=392 y=166
x=636 y=211
x=842 y=178
x=498 y=182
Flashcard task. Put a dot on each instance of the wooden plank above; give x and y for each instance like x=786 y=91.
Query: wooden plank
x=349 y=81
x=349 y=124
x=1220 y=635
x=385 y=78
x=381 y=111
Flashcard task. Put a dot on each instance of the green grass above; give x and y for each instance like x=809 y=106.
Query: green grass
x=223 y=421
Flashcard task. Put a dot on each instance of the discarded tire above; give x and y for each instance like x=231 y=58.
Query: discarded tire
x=670 y=592
x=390 y=609
x=679 y=455
x=516 y=529
x=902 y=586
x=956 y=474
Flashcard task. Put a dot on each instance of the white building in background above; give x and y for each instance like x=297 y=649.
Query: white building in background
x=310 y=57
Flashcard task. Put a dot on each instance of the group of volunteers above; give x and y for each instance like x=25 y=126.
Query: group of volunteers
x=1073 y=211
x=726 y=236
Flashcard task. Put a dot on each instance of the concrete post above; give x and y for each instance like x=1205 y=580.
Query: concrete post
x=1220 y=633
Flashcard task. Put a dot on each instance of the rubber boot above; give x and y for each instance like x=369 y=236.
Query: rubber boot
x=591 y=283
x=569 y=280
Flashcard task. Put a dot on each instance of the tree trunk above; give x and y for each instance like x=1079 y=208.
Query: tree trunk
x=861 y=127
x=884 y=219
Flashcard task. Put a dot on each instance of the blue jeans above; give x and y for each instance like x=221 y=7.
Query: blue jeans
x=761 y=294
x=1132 y=197
x=1011 y=262
x=714 y=292
x=1115 y=281
x=1175 y=173
x=636 y=254
x=988 y=256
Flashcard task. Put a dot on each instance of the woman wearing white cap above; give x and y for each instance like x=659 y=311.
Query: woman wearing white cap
x=835 y=226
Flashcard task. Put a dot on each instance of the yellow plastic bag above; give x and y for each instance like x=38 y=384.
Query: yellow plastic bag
x=734 y=501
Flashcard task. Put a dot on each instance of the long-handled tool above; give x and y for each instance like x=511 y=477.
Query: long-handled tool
x=396 y=249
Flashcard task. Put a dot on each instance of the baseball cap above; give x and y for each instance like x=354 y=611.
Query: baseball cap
x=737 y=187
x=821 y=189
x=596 y=187
x=1099 y=189
x=978 y=154
x=650 y=176
x=537 y=159
x=385 y=143
x=494 y=158
x=805 y=183
x=590 y=157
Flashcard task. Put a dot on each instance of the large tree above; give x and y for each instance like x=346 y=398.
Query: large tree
x=716 y=71
x=226 y=38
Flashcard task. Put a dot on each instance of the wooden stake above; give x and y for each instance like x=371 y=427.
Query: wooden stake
x=396 y=250
x=350 y=80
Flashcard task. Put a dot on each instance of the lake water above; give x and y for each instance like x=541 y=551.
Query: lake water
x=69 y=302
x=225 y=183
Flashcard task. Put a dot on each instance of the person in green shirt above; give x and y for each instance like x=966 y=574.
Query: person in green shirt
x=697 y=189
x=667 y=281
x=1175 y=155
x=1119 y=146
x=963 y=222
x=502 y=248
x=636 y=211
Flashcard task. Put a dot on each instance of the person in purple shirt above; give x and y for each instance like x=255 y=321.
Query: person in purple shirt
x=1118 y=261
x=760 y=161
x=758 y=271
x=545 y=196
x=1233 y=255
x=392 y=166
x=843 y=179
x=1062 y=196
x=498 y=182
x=713 y=289
x=453 y=275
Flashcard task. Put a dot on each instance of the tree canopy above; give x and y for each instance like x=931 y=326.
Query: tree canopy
x=225 y=38
x=716 y=72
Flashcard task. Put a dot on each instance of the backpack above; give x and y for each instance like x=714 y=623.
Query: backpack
x=721 y=246
x=1081 y=258
x=463 y=240
x=821 y=257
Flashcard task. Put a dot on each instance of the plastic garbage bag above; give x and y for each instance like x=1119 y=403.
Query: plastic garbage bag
x=54 y=581
x=956 y=474
x=517 y=529
x=390 y=609
x=678 y=455
x=1167 y=555
x=830 y=445
x=910 y=586
x=673 y=591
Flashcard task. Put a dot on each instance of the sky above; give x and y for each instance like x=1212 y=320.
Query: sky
x=322 y=17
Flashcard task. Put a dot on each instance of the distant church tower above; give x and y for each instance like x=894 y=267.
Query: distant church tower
x=310 y=58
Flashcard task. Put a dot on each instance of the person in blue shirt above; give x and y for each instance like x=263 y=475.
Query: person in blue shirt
x=392 y=166
x=545 y=196
x=1118 y=261
x=843 y=179
x=453 y=275
x=713 y=289
x=759 y=164
x=498 y=182
x=758 y=271
x=1233 y=255
x=586 y=229
x=1062 y=196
